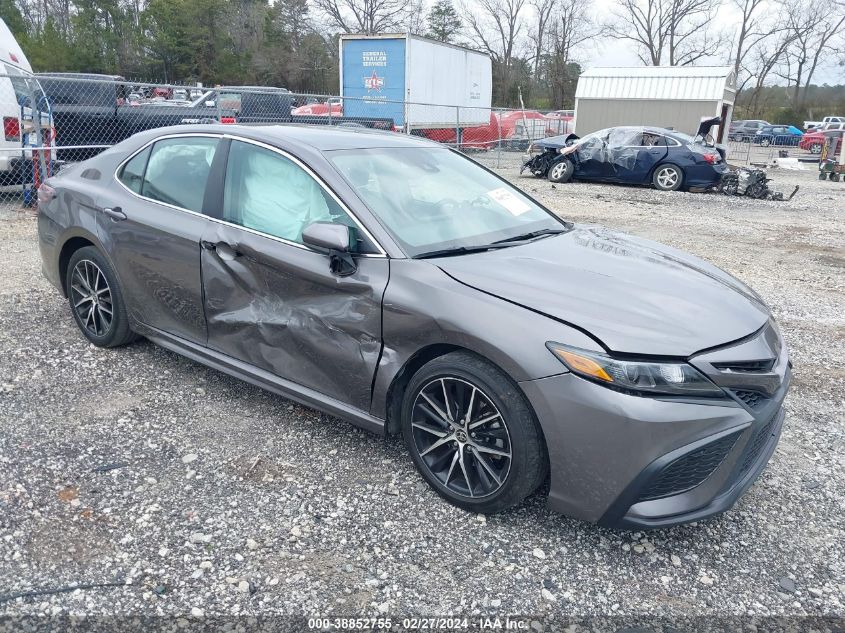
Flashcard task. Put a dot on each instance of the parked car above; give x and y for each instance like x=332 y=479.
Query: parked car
x=91 y=112
x=263 y=105
x=813 y=125
x=666 y=159
x=783 y=135
x=24 y=113
x=814 y=141
x=745 y=130
x=396 y=283
x=320 y=108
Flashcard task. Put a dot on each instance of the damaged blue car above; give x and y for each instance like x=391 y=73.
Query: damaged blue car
x=666 y=159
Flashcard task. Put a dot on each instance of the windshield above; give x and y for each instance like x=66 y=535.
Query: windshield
x=434 y=199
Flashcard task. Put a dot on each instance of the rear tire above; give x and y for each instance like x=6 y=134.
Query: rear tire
x=667 y=177
x=96 y=300
x=472 y=434
x=561 y=171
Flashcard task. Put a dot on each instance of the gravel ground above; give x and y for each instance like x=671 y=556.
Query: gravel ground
x=197 y=494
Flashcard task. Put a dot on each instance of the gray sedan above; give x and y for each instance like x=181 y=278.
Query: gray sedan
x=398 y=284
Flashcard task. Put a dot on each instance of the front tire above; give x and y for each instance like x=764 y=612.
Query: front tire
x=561 y=171
x=96 y=300
x=816 y=148
x=667 y=177
x=472 y=434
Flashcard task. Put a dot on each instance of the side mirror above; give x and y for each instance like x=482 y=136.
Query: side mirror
x=337 y=239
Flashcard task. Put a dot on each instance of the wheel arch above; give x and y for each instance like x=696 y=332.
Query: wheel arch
x=396 y=390
x=70 y=246
x=72 y=242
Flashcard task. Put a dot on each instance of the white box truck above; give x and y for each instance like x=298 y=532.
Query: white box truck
x=419 y=83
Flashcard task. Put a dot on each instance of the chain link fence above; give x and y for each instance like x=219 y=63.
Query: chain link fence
x=52 y=120
x=763 y=149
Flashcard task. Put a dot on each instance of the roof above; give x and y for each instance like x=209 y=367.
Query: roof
x=409 y=36
x=678 y=83
x=326 y=137
x=319 y=137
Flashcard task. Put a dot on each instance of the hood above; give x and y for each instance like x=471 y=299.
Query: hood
x=556 y=142
x=636 y=296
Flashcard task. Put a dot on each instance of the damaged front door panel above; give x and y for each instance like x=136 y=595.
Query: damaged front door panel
x=279 y=307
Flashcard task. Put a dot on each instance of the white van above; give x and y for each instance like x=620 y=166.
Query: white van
x=20 y=97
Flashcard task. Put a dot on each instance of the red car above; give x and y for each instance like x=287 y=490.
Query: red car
x=320 y=109
x=814 y=141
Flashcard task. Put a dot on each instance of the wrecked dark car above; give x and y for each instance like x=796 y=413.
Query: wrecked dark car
x=666 y=159
x=400 y=285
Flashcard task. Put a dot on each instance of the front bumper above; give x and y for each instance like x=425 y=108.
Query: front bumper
x=635 y=462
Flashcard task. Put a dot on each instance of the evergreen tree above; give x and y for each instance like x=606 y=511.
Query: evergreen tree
x=444 y=23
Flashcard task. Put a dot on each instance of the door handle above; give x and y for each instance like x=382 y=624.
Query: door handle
x=115 y=213
x=224 y=251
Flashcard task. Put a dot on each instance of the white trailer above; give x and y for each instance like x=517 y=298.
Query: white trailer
x=418 y=82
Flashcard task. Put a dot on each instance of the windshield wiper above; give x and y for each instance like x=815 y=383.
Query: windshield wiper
x=462 y=250
x=530 y=236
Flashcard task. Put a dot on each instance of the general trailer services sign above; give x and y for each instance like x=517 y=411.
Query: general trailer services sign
x=374 y=78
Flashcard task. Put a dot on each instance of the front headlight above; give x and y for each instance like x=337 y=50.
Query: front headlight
x=639 y=377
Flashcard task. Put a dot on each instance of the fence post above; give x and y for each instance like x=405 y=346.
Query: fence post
x=498 y=141
x=329 y=104
x=458 y=127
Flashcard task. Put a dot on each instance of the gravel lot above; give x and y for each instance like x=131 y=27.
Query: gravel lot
x=216 y=498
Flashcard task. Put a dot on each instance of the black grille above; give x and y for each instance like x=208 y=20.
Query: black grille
x=689 y=471
x=746 y=366
x=753 y=399
x=756 y=444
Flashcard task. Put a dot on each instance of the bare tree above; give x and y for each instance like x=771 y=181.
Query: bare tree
x=753 y=29
x=368 y=16
x=495 y=26
x=543 y=9
x=812 y=31
x=673 y=32
x=570 y=28
x=766 y=56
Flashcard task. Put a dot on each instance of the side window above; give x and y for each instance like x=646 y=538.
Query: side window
x=269 y=193
x=654 y=140
x=132 y=174
x=626 y=137
x=177 y=171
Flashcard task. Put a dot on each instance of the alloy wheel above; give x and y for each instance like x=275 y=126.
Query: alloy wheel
x=558 y=171
x=461 y=437
x=667 y=177
x=91 y=297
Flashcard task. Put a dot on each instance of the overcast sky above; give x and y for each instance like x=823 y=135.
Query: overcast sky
x=622 y=53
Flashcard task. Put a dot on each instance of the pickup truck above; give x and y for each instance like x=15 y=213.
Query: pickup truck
x=815 y=125
x=265 y=105
x=92 y=112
